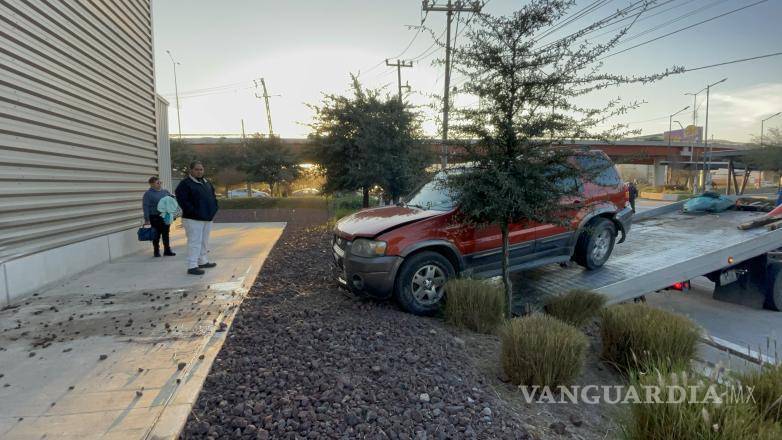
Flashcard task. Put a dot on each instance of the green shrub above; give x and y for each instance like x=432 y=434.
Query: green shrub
x=636 y=336
x=699 y=418
x=473 y=304
x=576 y=307
x=541 y=350
x=767 y=385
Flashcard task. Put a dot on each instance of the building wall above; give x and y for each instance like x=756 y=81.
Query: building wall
x=78 y=128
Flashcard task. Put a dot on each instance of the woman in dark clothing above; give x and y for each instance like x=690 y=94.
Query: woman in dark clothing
x=152 y=216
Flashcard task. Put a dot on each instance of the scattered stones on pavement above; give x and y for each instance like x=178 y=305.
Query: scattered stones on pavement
x=103 y=357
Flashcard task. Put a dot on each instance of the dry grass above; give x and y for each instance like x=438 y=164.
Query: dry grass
x=767 y=385
x=473 y=304
x=699 y=418
x=542 y=350
x=576 y=307
x=636 y=336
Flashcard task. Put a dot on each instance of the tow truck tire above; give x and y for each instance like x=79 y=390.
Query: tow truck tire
x=774 y=294
x=419 y=302
x=595 y=244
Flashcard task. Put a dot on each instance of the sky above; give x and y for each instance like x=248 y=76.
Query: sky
x=306 y=48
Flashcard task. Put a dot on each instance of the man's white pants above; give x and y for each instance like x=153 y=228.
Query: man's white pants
x=197 y=241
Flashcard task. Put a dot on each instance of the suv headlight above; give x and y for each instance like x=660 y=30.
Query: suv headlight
x=368 y=248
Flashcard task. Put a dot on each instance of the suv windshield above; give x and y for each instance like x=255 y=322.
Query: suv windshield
x=434 y=195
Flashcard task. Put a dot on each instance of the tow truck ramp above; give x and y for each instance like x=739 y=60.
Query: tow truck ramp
x=659 y=252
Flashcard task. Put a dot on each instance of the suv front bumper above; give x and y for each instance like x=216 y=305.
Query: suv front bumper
x=361 y=275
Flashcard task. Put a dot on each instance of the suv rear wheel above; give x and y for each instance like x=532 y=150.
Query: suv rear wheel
x=595 y=243
x=420 y=284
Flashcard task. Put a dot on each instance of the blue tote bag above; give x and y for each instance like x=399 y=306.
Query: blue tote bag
x=145 y=234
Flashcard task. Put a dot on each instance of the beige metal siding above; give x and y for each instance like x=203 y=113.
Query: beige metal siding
x=163 y=144
x=78 y=123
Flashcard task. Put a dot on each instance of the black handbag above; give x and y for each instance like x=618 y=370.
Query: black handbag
x=145 y=233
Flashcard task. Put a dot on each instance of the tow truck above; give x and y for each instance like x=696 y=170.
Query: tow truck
x=668 y=248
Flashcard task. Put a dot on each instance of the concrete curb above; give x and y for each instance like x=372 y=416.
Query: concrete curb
x=745 y=353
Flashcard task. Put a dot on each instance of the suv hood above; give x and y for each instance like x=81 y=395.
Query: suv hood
x=373 y=222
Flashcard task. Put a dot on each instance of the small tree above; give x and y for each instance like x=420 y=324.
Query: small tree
x=365 y=140
x=181 y=156
x=270 y=161
x=527 y=94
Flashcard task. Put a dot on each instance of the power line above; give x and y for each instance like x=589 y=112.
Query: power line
x=630 y=11
x=647 y=17
x=409 y=45
x=732 y=62
x=683 y=29
x=211 y=89
x=577 y=15
x=674 y=20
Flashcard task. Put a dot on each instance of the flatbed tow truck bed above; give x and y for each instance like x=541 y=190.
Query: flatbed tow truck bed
x=659 y=252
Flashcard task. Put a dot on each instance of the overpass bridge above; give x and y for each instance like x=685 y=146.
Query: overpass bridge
x=658 y=154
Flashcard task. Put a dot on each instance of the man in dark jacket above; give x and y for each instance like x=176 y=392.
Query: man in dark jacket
x=196 y=198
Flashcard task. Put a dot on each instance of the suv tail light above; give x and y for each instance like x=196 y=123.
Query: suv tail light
x=681 y=286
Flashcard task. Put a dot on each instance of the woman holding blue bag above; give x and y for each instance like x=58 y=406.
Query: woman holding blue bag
x=153 y=217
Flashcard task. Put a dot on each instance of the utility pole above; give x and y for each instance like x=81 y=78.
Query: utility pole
x=243 y=135
x=266 y=97
x=451 y=8
x=399 y=64
x=176 y=91
x=762 y=126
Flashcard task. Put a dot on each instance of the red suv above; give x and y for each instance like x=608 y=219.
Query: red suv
x=411 y=250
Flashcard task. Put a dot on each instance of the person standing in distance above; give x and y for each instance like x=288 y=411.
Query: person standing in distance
x=196 y=197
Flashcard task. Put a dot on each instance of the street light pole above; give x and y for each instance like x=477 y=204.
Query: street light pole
x=176 y=91
x=762 y=123
x=707 y=166
x=670 y=128
x=695 y=124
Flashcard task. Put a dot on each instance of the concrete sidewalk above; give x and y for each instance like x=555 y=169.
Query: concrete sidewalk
x=122 y=351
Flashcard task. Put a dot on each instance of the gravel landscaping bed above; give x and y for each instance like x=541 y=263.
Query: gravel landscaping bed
x=305 y=360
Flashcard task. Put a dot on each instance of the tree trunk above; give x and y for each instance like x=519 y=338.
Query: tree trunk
x=365 y=202
x=505 y=268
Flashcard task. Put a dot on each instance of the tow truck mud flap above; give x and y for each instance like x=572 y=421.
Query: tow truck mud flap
x=744 y=283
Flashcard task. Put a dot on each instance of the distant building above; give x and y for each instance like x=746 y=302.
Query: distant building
x=81 y=131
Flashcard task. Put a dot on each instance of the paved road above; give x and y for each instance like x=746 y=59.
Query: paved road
x=741 y=325
x=156 y=326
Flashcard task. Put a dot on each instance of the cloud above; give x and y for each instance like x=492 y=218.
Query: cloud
x=743 y=109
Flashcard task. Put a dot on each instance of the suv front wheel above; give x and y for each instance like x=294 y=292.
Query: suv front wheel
x=420 y=284
x=595 y=243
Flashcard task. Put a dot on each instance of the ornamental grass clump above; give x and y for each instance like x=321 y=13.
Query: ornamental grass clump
x=576 y=307
x=636 y=336
x=767 y=391
x=475 y=305
x=541 y=350
x=684 y=406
